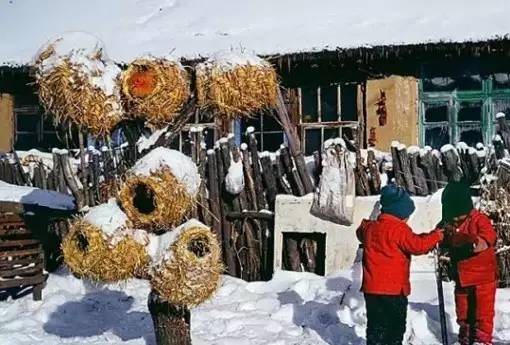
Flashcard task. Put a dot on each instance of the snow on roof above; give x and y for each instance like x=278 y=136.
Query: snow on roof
x=192 y=28
x=35 y=196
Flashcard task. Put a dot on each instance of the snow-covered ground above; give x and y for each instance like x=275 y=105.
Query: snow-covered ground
x=130 y=28
x=291 y=309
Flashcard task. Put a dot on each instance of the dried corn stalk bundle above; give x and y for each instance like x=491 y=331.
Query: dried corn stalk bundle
x=155 y=89
x=187 y=265
x=101 y=246
x=236 y=85
x=495 y=202
x=160 y=189
x=79 y=85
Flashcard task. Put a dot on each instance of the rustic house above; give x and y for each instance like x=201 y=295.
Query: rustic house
x=427 y=77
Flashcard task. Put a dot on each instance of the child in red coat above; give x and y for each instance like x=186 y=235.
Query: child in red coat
x=470 y=240
x=388 y=244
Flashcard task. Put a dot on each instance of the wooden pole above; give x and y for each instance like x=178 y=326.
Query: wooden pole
x=419 y=178
x=172 y=323
x=294 y=144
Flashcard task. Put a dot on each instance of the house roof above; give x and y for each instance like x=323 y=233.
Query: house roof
x=194 y=28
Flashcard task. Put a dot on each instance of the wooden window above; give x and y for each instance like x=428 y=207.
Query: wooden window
x=34 y=129
x=454 y=109
x=198 y=120
x=268 y=132
x=326 y=112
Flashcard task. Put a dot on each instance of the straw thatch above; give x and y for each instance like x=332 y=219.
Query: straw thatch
x=233 y=86
x=79 y=87
x=157 y=202
x=155 y=89
x=89 y=254
x=190 y=272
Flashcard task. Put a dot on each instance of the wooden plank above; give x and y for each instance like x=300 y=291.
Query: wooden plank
x=22 y=271
x=28 y=281
x=7 y=264
x=18 y=243
x=19 y=253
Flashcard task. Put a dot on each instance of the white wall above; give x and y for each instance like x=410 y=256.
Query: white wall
x=292 y=215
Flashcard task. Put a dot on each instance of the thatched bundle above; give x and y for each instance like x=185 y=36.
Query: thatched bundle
x=233 y=85
x=101 y=246
x=188 y=266
x=155 y=89
x=160 y=189
x=79 y=85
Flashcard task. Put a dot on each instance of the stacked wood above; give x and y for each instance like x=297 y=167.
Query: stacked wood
x=21 y=257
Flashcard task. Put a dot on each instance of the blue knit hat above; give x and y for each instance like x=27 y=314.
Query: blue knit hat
x=396 y=201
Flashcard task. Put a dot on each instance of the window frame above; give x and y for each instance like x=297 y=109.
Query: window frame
x=319 y=124
x=487 y=96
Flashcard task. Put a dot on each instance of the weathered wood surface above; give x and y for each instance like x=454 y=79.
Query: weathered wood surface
x=172 y=323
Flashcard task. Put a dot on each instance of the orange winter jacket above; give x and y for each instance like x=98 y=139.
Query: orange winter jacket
x=388 y=244
x=479 y=268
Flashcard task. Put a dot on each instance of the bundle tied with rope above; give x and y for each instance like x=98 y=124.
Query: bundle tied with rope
x=232 y=84
x=187 y=264
x=160 y=189
x=155 y=89
x=102 y=246
x=79 y=85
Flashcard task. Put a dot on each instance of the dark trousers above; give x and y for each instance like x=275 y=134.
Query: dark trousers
x=386 y=319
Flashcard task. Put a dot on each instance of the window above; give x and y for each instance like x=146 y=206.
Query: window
x=34 y=130
x=326 y=112
x=268 y=132
x=462 y=108
x=182 y=142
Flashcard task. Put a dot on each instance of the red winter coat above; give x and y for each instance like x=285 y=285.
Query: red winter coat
x=481 y=268
x=388 y=244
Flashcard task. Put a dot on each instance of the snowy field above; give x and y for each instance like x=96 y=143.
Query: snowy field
x=293 y=308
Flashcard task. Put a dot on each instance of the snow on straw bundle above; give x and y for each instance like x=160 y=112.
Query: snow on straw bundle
x=160 y=189
x=236 y=84
x=101 y=246
x=78 y=84
x=155 y=89
x=187 y=264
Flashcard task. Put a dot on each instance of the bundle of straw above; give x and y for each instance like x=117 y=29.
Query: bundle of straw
x=155 y=89
x=101 y=246
x=160 y=189
x=236 y=85
x=189 y=270
x=157 y=201
x=88 y=254
x=79 y=85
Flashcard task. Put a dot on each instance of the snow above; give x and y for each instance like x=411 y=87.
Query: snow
x=497 y=137
x=395 y=143
x=448 y=147
x=35 y=196
x=291 y=309
x=159 y=247
x=145 y=143
x=181 y=166
x=413 y=149
x=250 y=130
x=195 y=28
x=500 y=115
x=87 y=54
x=226 y=60
x=462 y=146
x=108 y=217
x=234 y=181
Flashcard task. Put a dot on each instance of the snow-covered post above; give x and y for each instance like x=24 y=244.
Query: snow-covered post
x=503 y=129
x=418 y=174
x=427 y=165
x=450 y=160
